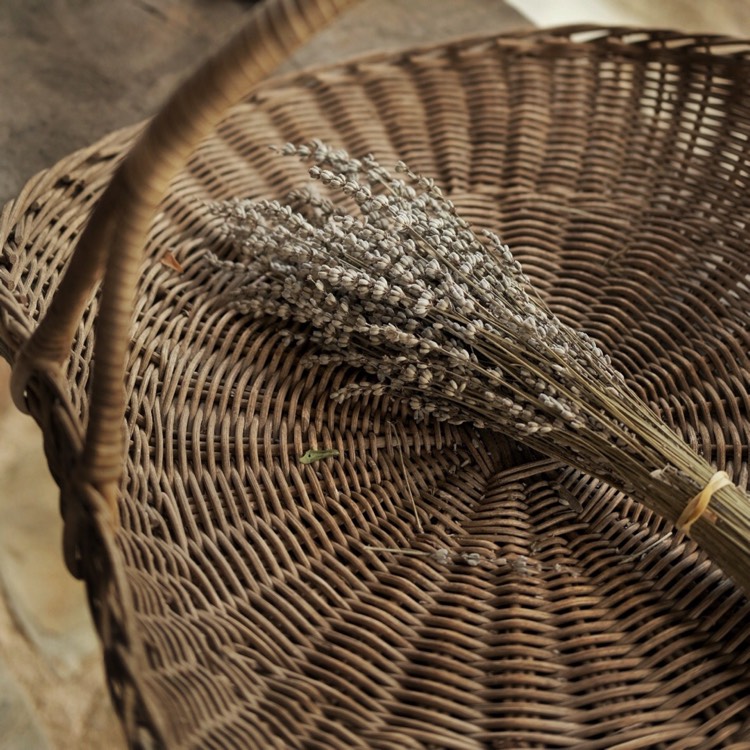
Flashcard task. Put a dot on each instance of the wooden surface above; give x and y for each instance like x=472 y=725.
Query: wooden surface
x=71 y=71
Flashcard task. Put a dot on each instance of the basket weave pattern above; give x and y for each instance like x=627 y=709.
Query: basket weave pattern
x=239 y=604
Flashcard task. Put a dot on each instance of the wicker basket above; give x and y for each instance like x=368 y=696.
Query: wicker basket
x=238 y=599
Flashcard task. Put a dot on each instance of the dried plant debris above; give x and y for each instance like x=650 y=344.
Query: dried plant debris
x=444 y=318
x=517 y=563
x=170 y=261
x=313 y=455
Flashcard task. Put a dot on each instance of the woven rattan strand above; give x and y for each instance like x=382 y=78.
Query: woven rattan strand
x=239 y=605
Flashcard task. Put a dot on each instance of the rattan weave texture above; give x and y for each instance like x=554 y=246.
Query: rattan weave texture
x=239 y=605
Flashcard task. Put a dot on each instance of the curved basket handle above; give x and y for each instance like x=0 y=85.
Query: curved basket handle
x=114 y=239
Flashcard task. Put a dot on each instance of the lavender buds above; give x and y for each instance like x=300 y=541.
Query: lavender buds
x=444 y=318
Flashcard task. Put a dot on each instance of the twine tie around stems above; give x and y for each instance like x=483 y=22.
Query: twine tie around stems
x=699 y=504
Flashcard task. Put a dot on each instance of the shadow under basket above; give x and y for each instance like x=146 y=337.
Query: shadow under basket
x=432 y=586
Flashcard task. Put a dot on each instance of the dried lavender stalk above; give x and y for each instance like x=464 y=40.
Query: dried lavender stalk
x=446 y=319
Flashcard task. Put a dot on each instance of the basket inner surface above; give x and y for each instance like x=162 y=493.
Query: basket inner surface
x=565 y=614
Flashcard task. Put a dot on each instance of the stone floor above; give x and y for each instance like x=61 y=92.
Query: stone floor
x=70 y=71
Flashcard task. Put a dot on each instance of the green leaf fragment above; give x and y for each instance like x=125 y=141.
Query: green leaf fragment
x=317 y=455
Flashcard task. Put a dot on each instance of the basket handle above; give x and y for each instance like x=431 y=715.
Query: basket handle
x=113 y=241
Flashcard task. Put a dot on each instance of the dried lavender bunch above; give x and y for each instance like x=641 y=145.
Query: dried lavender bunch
x=441 y=316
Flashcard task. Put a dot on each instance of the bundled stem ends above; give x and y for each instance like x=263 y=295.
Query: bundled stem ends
x=446 y=319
